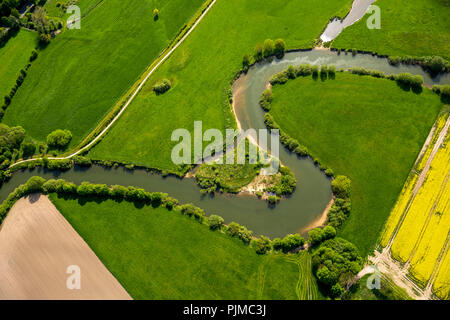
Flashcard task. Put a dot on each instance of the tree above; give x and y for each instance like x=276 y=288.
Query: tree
x=336 y=291
x=262 y=245
x=315 y=236
x=44 y=39
x=328 y=232
x=246 y=62
x=59 y=138
x=268 y=48
x=341 y=186
x=28 y=149
x=156 y=13
x=215 y=222
x=280 y=47
x=258 y=52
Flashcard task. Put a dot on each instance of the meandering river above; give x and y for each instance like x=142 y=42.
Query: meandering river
x=293 y=214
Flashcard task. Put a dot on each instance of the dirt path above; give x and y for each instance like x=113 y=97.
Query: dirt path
x=36 y=247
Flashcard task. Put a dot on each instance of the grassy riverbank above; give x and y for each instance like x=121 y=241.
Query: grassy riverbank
x=414 y=28
x=82 y=73
x=161 y=254
x=372 y=135
x=201 y=70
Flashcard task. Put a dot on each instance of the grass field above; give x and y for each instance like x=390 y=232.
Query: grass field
x=415 y=28
x=159 y=254
x=201 y=70
x=15 y=55
x=82 y=73
x=388 y=290
x=371 y=140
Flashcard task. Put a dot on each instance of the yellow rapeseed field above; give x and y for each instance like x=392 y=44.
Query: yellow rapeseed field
x=424 y=203
x=441 y=285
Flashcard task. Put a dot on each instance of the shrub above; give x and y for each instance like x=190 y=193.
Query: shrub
x=336 y=291
x=155 y=12
x=315 y=236
x=64 y=164
x=262 y=245
x=288 y=243
x=82 y=161
x=236 y=230
x=215 y=222
x=280 y=47
x=162 y=86
x=315 y=71
x=341 y=186
x=266 y=99
x=170 y=203
x=118 y=192
x=304 y=70
x=273 y=199
x=258 y=52
x=59 y=138
x=328 y=232
x=28 y=149
x=44 y=39
x=435 y=64
x=268 y=48
x=33 y=56
x=246 y=62
x=191 y=210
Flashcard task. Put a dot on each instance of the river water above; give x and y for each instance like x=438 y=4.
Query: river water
x=293 y=214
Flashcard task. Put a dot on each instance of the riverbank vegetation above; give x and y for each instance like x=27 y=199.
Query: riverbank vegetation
x=372 y=141
x=155 y=223
x=203 y=68
x=415 y=28
x=83 y=72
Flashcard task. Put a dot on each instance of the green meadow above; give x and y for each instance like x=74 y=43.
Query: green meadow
x=14 y=56
x=159 y=254
x=366 y=128
x=200 y=71
x=414 y=28
x=82 y=73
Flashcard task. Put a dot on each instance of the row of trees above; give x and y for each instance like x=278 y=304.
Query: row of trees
x=265 y=50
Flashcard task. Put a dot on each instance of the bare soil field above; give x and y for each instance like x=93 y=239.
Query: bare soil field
x=37 y=245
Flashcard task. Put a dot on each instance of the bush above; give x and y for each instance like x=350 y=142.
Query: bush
x=63 y=165
x=215 y=222
x=336 y=291
x=408 y=80
x=28 y=149
x=33 y=56
x=262 y=245
x=268 y=48
x=266 y=99
x=435 y=64
x=44 y=39
x=273 y=199
x=304 y=70
x=315 y=236
x=258 y=52
x=82 y=161
x=288 y=243
x=280 y=47
x=59 y=138
x=328 y=232
x=236 y=230
x=191 y=210
x=341 y=186
x=162 y=86
x=118 y=192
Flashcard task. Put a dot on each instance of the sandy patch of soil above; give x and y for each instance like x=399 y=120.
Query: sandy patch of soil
x=37 y=245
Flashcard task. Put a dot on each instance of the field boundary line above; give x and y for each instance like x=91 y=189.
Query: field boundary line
x=129 y=100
